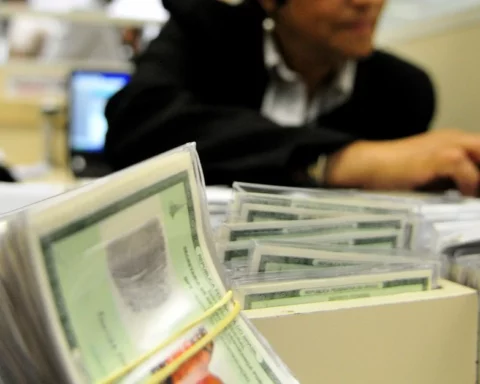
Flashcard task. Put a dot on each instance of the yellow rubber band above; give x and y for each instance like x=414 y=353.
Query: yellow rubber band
x=163 y=374
x=131 y=366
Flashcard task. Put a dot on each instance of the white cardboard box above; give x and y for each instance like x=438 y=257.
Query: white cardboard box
x=421 y=338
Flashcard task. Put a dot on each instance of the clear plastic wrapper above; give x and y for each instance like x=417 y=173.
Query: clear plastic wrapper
x=414 y=198
x=349 y=192
x=463 y=268
x=246 y=208
x=252 y=213
x=106 y=272
x=300 y=228
x=280 y=257
x=464 y=207
x=430 y=232
x=289 y=289
x=217 y=217
x=426 y=223
x=454 y=215
x=427 y=207
x=444 y=229
x=238 y=186
x=218 y=200
x=379 y=240
x=375 y=249
x=218 y=195
x=236 y=267
x=393 y=252
x=453 y=242
x=348 y=203
x=237 y=250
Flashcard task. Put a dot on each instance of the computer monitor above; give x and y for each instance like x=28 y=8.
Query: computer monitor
x=89 y=93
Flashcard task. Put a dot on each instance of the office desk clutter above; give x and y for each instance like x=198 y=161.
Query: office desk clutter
x=117 y=282
x=15 y=196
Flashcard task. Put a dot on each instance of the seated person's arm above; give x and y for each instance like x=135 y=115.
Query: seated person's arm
x=160 y=110
x=164 y=107
x=184 y=90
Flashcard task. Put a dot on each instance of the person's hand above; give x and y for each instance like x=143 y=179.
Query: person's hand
x=410 y=163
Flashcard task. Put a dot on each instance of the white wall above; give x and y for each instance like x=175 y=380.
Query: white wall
x=449 y=49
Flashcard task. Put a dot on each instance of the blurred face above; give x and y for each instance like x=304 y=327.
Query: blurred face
x=343 y=27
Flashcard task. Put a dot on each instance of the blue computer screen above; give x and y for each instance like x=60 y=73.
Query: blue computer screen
x=89 y=94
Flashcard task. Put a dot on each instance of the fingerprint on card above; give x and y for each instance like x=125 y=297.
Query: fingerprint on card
x=138 y=264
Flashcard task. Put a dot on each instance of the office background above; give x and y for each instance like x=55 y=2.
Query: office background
x=441 y=35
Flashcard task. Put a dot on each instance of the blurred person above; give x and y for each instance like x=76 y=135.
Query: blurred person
x=287 y=92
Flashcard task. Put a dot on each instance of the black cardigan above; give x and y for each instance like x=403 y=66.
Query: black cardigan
x=203 y=80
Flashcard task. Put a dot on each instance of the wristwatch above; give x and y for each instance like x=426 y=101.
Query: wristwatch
x=317 y=171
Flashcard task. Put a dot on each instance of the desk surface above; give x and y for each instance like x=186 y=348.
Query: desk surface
x=57 y=175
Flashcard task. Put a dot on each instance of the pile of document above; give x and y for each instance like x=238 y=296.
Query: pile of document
x=117 y=282
x=462 y=246
x=142 y=276
x=284 y=247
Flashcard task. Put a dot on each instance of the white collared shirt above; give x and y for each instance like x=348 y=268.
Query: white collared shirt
x=286 y=99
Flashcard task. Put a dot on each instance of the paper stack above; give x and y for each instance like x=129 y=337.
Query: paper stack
x=461 y=244
x=285 y=247
x=117 y=282
x=140 y=277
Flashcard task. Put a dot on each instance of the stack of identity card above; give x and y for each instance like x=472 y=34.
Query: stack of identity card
x=462 y=246
x=143 y=276
x=284 y=247
x=117 y=281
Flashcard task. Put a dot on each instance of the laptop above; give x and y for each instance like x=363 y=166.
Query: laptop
x=89 y=92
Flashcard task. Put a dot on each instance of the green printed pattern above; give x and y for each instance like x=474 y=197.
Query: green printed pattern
x=270 y=233
x=258 y=216
x=89 y=314
x=312 y=295
x=344 y=208
x=255 y=216
x=95 y=330
x=266 y=233
x=273 y=263
x=237 y=254
x=387 y=242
